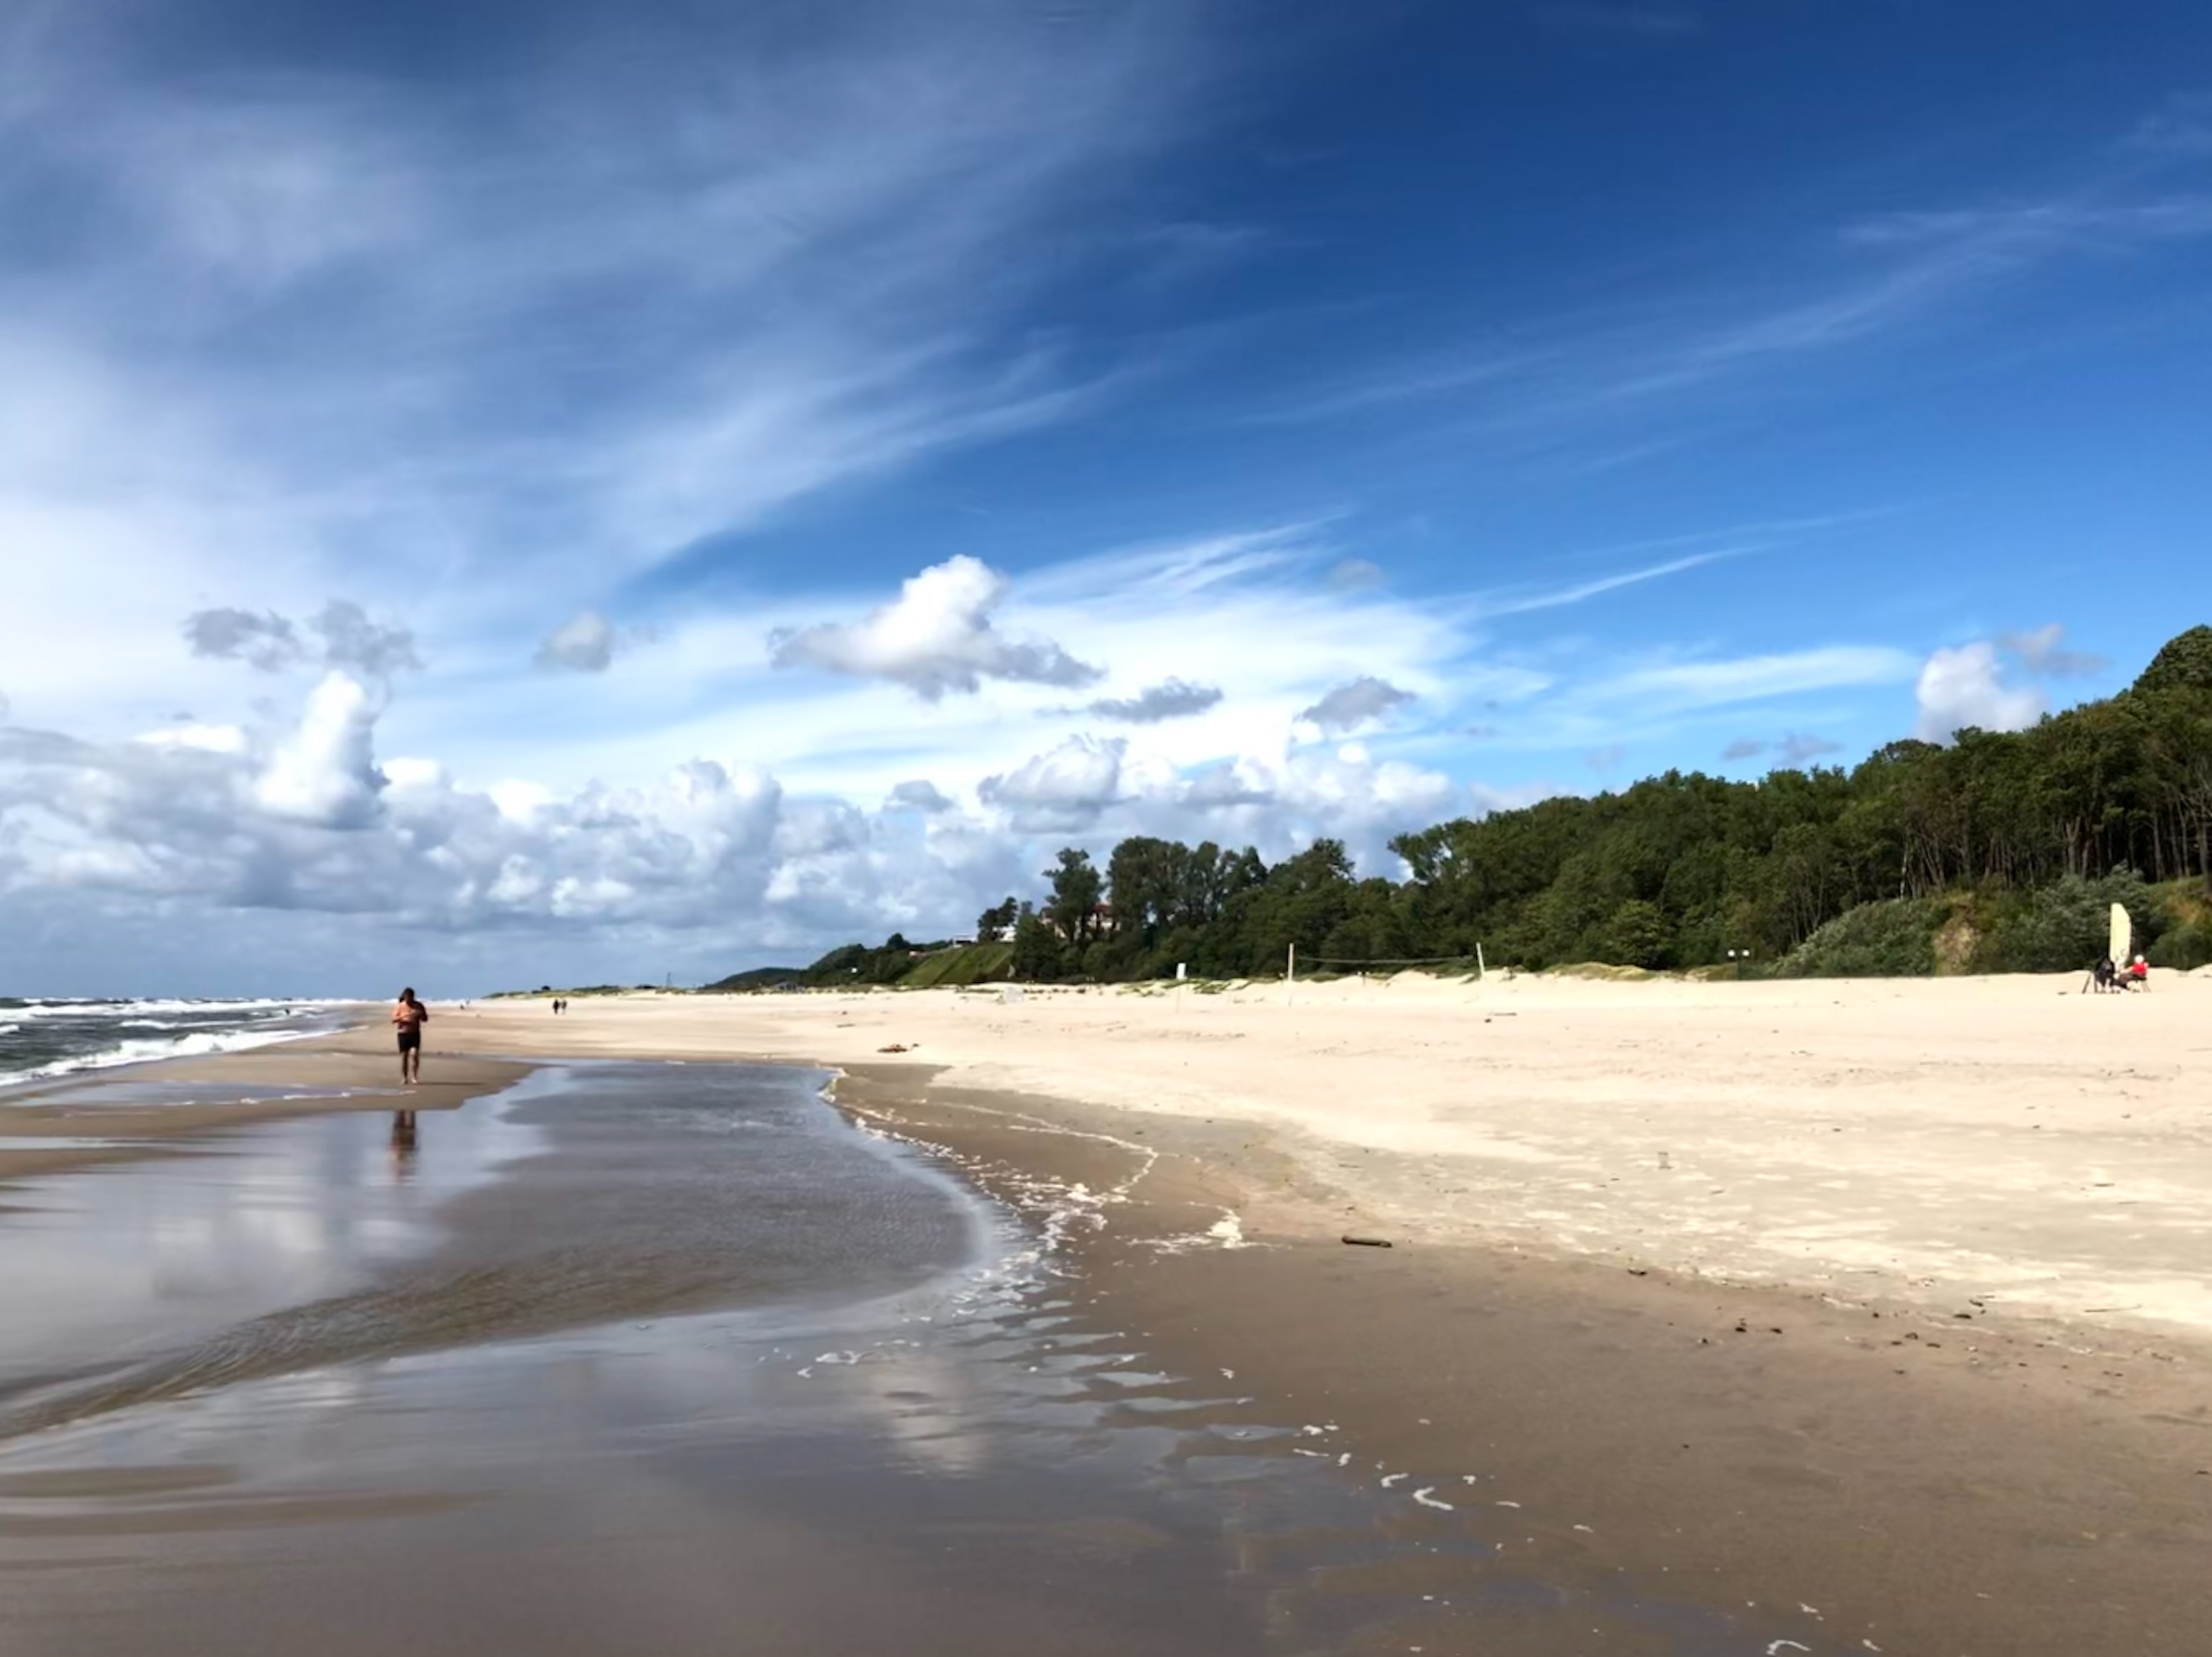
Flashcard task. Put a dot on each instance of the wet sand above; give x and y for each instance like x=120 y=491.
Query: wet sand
x=680 y=1362
x=1921 y=1483
x=133 y=1111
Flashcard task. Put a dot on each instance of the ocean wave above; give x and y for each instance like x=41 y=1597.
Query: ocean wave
x=143 y=1050
x=39 y=1008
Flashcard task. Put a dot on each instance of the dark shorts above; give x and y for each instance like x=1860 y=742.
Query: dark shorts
x=411 y=1040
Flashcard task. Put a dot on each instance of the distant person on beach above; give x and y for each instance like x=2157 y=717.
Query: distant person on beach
x=2139 y=974
x=409 y=1017
x=2105 y=974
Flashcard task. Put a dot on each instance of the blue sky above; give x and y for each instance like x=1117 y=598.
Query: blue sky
x=574 y=492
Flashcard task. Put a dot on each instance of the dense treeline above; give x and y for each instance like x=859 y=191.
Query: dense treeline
x=2013 y=841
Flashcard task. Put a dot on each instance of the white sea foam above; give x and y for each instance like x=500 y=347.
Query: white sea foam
x=41 y=1007
x=147 y=1049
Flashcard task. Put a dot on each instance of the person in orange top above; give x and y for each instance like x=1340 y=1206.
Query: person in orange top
x=410 y=1016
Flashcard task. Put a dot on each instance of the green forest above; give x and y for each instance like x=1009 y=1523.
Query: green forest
x=1999 y=852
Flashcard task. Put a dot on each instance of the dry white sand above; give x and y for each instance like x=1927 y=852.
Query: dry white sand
x=2008 y=1139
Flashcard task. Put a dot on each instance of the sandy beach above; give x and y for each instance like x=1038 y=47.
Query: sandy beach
x=1826 y=1317
x=1998 y=1146
x=1884 y=1298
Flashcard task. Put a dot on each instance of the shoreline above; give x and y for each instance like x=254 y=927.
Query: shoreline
x=1906 y=1489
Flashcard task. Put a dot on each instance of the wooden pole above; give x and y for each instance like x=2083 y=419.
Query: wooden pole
x=1290 y=976
x=1481 y=972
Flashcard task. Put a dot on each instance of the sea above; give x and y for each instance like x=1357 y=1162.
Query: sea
x=43 y=1036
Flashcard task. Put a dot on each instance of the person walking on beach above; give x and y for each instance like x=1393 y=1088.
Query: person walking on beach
x=410 y=1016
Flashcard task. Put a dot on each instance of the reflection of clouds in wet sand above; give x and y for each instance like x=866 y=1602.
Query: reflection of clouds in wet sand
x=149 y=1255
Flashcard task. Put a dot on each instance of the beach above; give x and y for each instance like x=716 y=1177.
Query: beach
x=1890 y=1291
x=1713 y=1317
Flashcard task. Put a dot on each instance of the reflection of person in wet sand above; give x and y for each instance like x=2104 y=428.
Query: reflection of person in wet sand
x=410 y=1016
x=402 y=1140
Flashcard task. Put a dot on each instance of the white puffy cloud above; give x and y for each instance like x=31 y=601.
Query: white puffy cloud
x=1351 y=705
x=1964 y=687
x=920 y=795
x=1064 y=789
x=325 y=772
x=935 y=637
x=1170 y=699
x=583 y=644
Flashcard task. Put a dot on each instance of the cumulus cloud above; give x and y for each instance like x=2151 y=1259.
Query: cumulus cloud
x=349 y=638
x=1219 y=786
x=1964 y=687
x=325 y=772
x=1063 y=789
x=583 y=644
x=1351 y=705
x=936 y=637
x=2042 y=651
x=920 y=795
x=1170 y=699
x=266 y=641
